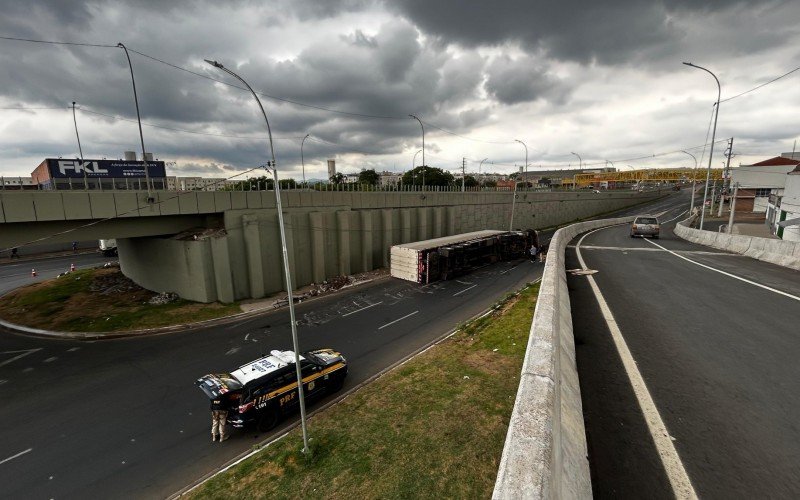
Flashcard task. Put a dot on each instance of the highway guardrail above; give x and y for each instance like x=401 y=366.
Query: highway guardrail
x=781 y=252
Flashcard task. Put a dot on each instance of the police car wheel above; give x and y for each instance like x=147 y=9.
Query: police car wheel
x=268 y=420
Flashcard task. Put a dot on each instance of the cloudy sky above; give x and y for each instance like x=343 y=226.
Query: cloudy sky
x=602 y=79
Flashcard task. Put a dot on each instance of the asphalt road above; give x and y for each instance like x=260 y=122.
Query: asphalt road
x=718 y=356
x=122 y=419
x=14 y=273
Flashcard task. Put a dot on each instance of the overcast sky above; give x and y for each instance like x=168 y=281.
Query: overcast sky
x=602 y=79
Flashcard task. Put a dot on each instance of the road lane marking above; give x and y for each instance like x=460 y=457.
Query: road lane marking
x=509 y=269
x=24 y=352
x=363 y=308
x=765 y=287
x=398 y=319
x=16 y=456
x=673 y=467
x=464 y=290
x=640 y=249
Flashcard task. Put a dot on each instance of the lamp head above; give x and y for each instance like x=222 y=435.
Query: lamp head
x=214 y=63
x=688 y=63
x=120 y=45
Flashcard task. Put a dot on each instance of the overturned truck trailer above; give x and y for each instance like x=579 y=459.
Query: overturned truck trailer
x=444 y=258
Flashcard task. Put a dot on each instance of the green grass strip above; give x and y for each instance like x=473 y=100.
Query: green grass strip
x=433 y=428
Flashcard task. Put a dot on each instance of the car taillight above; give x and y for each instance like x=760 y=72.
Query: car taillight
x=245 y=407
x=635 y=226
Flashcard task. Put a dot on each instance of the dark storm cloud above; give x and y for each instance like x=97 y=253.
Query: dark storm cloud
x=577 y=30
x=512 y=81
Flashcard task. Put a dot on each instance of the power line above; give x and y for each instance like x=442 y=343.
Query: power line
x=175 y=129
x=51 y=42
x=762 y=85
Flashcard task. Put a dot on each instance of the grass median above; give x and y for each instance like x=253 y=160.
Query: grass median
x=434 y=427
x=100 y=300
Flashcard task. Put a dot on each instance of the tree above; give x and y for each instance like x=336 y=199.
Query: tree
x=433 y=177
x=369 y=176
x=491 y=184
x=338 y=178
x=470 y=181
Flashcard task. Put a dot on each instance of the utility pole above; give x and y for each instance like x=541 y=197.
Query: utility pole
x=733 y=208
x=80 y=150
x=713 y=190
x=726 y=174
x=463 y=173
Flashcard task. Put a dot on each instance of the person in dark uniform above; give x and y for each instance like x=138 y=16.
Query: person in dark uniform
x=219 y=416
x=14 y=253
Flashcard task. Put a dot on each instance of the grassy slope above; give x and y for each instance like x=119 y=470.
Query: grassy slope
x=67 y=304
x=433 y=428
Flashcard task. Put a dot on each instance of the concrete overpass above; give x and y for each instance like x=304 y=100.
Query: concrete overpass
x=209 y=246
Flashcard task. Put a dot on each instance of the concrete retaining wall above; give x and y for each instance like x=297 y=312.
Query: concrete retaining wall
x=334 y=234
x=545 y=454
x=780 y=252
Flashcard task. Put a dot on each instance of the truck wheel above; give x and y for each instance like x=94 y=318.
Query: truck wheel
x=268 y=420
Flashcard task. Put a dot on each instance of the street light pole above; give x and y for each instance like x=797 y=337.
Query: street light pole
x=694 y=174
x=423 y=149
x=139 y=120
x=286 y=269
x=513 y=206
x=526 y=160
x=80 y=150
x=580 y=167
x=713 y=138
x=479 y=169
x=302 y=159
x=413 y=166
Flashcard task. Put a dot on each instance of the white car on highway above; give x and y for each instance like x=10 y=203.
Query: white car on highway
x=645 y=225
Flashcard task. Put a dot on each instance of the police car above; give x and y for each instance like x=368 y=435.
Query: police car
x=264 y=390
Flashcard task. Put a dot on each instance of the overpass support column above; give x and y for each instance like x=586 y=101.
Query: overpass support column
x=422 y=223
x=388 y=230
x=366 y=240
x=253 y=250
x=451 y=220
x=343 y=224
x=405 y=225
x=438 y=222
x=222 y=269
x=317 y=247
x=288 y=225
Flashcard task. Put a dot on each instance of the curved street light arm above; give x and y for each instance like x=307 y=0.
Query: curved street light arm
x=139 y=120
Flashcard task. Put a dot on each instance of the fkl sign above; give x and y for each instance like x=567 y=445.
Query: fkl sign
x=61 y=168
x=91 y=167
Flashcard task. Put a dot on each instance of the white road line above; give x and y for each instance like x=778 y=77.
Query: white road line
x=464 y=290
x=16 y=456
x=657 y=250
x=20 y=356
x=363 y=308
x=765 y=287
x=673 y=467
x=463 y=282
x=680 y=214
x=398 y=319
x=509 y=269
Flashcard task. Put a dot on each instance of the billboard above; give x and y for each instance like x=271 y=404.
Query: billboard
x=63 y=168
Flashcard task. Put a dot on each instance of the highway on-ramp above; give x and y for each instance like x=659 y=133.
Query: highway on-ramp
x=714 y=337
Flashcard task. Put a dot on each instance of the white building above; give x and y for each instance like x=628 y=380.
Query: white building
x=17 y=183
x=788 y=208
x=390 y=178
x=195 y=183
x=761 y=182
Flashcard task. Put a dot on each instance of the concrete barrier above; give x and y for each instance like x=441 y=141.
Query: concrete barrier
x=780 y=252
x=545 y=454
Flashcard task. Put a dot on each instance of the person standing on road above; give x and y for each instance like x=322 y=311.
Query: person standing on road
x=74 y=246
x=14 y=253
x=219 y=417
x=534 y=251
